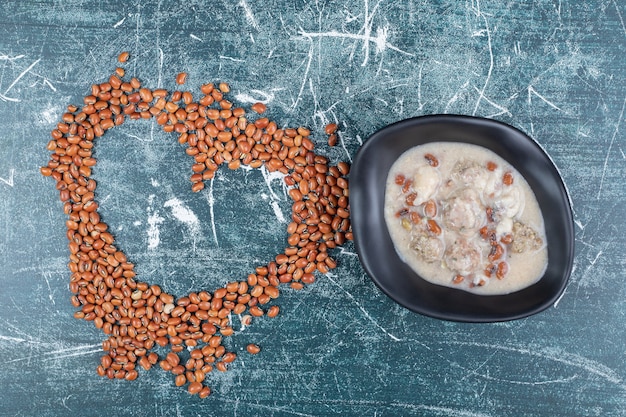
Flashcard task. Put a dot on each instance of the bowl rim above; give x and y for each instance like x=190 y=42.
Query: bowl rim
x=361 y=242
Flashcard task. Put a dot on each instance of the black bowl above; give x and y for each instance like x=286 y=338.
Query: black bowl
x=396 y=279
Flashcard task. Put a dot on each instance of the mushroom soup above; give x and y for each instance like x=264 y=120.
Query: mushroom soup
x=461 y=216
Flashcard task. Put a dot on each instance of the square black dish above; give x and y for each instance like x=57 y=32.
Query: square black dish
x=396 y=279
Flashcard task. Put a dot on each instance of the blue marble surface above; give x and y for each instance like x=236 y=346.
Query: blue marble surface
x=552 y=68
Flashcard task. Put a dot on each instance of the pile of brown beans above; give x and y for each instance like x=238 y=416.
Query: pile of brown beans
x=136 y=316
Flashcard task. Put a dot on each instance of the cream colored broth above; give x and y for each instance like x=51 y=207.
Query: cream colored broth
x=461 y=216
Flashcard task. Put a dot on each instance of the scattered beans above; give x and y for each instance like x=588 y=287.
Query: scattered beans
x=253 y=349
x=123 y=57
x=330 y=128
x=181 y=78
x=273 y=311
x=137 y=317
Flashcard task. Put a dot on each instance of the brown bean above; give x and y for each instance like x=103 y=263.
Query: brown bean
x=273 y=311
x=433 y=227
x=430 y=208
x=496 y=252
x=259 y=108
x=295 y=194
x=131 y=375
x=204 y=392
x=330 y=128
x=180 y=380
x=123 y=57
x=272 y=291
x=181 y=78
x=296 y=286
x=253 y=349
x=261 y=123
x=344 y=168
x=507 y=178
x=256 y=311
x=194 y=387
x=431 y=159
x=502 y=270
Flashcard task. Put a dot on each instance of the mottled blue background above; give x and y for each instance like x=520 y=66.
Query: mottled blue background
x=552 y=68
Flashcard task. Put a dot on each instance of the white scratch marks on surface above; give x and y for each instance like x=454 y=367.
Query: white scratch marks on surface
x=413 y=408
x=489 y=71
x=580 y=225
x=183 y=213
x=446 y=411
x=305 y=76
x=366 y=36
x=12 y=339
x=365 y=313
x=455 y=97
x=586 y=273
x=49 y=84
x=419 y=88
x=5 y=57
x=608 y=152
x=259 y=97
x=211 y=200
x=137 y=31
x=5 y=98
x=554 y=355
x=249 y=15
x=278 y=212
x=503 y=110
x=119 y=23
x=232 y=59
x=63 y=402
x=592 y=263
x=380 y=40
x=19 y=77
x=344 y=251
x=97 y=348
x=9 y=180
x=343 y=145
x=269 y=177
x=161 y=59
x=154 y=220
x=271 y=409
x=619 y=14
x=558 y=300
x=47 y=275
x=56 y=354
x=475 y=372
x=531 y=91
x=186 y=216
